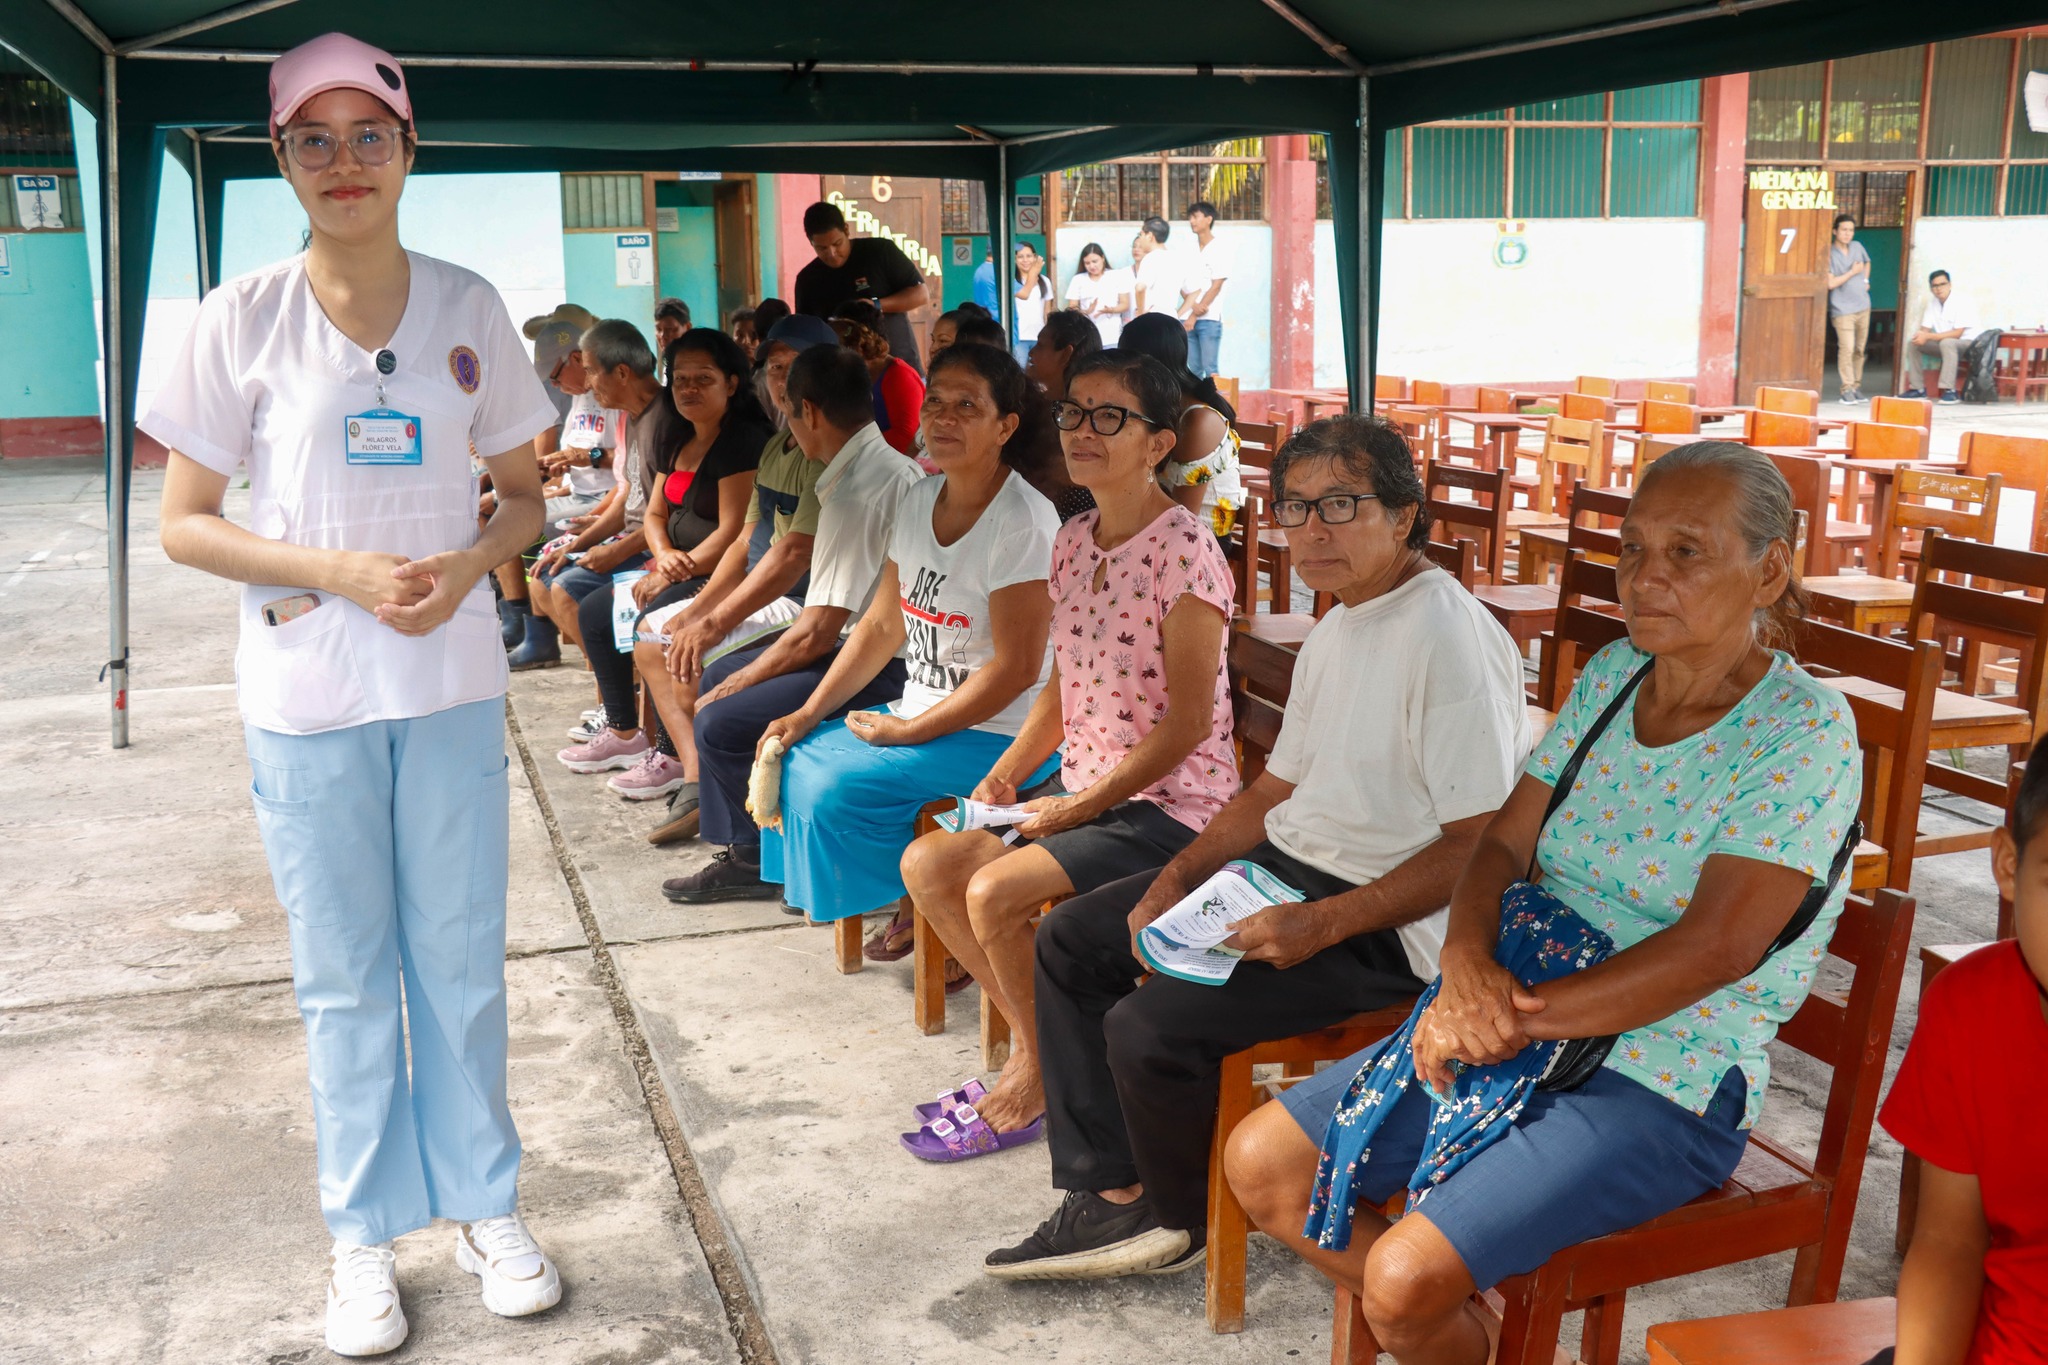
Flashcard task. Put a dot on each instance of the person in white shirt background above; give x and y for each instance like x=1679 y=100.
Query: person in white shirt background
x=1033 y=294
x=1162 y=278
x=1202 y=289
x=1101 y=292
x=352 y=382
x=1946 y=327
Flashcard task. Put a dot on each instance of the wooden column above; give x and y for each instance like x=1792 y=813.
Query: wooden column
x=1291 y=212
x=1724 y=144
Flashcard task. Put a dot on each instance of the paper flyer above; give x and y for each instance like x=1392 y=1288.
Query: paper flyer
x=1187 y=941
x=967 y=815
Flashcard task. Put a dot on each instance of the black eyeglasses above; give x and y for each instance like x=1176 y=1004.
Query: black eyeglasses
x=1335 y=509
x=1107 y=420
x=372 y=145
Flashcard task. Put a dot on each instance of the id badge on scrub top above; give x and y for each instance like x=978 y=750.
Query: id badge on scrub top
x=381 y=436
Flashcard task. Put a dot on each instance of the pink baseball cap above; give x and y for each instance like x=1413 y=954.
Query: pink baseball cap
x=335 y=61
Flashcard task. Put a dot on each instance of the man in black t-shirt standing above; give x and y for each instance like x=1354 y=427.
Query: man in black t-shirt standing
x=872 y=268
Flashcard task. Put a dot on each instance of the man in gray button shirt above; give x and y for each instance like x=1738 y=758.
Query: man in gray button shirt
x=1849 y=305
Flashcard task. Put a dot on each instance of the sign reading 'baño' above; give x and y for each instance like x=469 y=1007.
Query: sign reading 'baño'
x=1794 y=189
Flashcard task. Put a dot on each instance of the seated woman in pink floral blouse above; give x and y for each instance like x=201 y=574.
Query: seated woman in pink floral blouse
x=1137 y=697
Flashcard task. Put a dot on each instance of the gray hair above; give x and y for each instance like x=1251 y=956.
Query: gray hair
x=1763 y=516
x=615 y=342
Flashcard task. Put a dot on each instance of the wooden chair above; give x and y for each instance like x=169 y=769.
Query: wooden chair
x=1578 y=631
x=1459 y=558
x=1427 y=393
x=1808 y=476
x=1419 y=428
x=1229 y=388
x=1669 y=391
x=1776 y=1201
x=1264 y=437
x=1894 y=736
x=1601 y=509
x=1800 y=402
x=1257 y=547
x=1596 y=387
x=1880 y=441
x=1904 y=412
x=1576 y=446
x=1958 y=596
x=1489 y=399
x=1841 y=1333
x=1487 y=513
x=1763 y=427
x=1389 y=388
x=1971 y=512
x=2022 y=461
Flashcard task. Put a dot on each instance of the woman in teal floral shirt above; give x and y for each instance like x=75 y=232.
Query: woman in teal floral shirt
x=1701 y=816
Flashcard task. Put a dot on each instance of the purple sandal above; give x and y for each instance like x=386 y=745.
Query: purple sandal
x=963 y=1135
x=970 y=1093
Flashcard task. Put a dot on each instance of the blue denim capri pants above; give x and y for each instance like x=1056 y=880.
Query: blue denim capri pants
x=1577 y=1164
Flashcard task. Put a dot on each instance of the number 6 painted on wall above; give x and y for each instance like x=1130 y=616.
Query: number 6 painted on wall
x=1786 y=235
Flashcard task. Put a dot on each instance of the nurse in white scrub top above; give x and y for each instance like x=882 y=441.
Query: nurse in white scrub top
x=351 y=384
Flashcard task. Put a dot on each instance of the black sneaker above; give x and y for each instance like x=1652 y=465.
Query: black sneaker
x=726 y=878
x=681 y=820
x=1089 y=1238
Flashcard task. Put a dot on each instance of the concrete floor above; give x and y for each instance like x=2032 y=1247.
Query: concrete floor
x=709 y=1109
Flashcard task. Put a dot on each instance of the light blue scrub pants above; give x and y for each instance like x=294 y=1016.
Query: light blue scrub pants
x=388 y=847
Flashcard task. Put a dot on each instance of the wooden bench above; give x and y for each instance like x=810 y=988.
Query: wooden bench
x=1817 y=1334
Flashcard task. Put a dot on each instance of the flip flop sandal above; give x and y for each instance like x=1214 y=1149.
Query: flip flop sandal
x=969 y=1093
x=964 y=1135
x=893 y=942
x=958 y=978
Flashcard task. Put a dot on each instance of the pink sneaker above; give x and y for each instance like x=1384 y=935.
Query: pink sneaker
x=653 y=777
x=604 y=753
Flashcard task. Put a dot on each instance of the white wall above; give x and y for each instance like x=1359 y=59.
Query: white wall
x=1246 y=307
x=1618 y=298
x=1996 y=264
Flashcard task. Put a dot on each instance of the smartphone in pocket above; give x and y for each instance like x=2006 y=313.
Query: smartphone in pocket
x=288 y=608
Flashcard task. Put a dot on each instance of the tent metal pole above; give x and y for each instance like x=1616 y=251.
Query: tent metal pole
x=1330 y=46
x=424 y=59
x=1006 y=295
x=202 y=228
x=1361 y=391
x=113 y=351
x=200 y=25
x=1718 y=9
x=78 y=20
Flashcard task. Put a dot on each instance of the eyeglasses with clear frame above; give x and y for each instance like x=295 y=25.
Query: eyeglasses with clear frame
x=373 y=144
x=1334 y=508
x=1068 y=415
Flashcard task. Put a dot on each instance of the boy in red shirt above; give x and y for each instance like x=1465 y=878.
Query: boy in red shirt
x=1971 y=1102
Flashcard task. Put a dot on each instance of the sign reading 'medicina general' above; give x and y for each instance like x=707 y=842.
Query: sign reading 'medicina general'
x=1794 y=189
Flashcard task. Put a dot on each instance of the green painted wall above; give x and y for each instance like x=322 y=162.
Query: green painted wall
x=590 y=277
x=1883 y=245
x=764 y=229
x=46 y=315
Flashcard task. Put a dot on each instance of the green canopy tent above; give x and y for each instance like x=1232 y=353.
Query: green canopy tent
x=857 y=89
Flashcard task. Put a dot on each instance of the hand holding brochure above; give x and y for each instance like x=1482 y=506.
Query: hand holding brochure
x=967 y=815
x=1187 y=941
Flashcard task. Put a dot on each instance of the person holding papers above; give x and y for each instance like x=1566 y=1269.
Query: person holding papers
x=1136 y=701
x=1404 y=732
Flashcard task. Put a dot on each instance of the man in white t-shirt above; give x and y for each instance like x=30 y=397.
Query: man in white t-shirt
x=1161 y=280
x=1404 y=732
x=1202 y=290
x=1946 y=327
x=832 y=414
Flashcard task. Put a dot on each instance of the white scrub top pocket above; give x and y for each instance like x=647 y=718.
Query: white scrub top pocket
x=302 y=676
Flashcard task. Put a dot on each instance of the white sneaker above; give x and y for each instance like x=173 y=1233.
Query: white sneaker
x=518 y=1278
x=364 y=1317
x=588 y=726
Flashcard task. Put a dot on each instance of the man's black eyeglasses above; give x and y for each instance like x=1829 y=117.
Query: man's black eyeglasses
x=1335 y=509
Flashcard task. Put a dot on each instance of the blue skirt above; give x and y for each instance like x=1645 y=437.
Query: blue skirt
x=849 y=809
x=1578 y=1164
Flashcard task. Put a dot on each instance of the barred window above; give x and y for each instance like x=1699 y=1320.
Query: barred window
x=1949 y=113
x=1230 y=174
x=598 y=203
x=963 y=206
